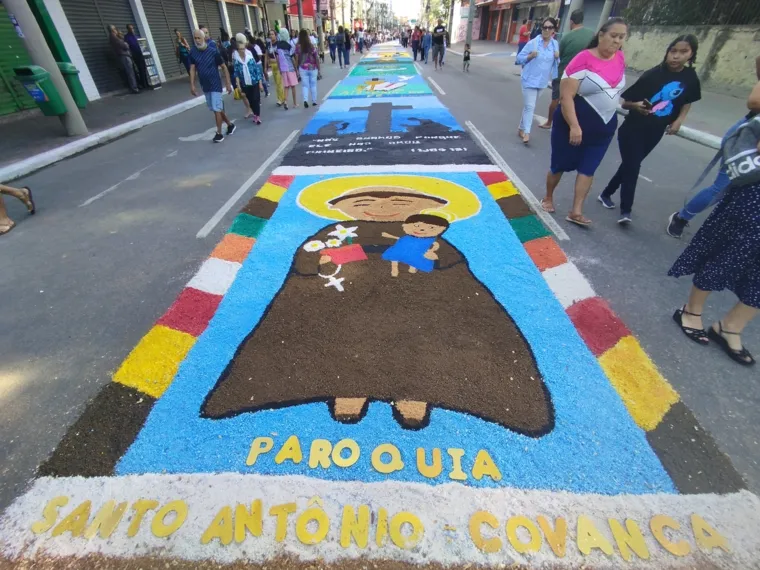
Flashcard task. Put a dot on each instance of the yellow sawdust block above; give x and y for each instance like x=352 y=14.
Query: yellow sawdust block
x=646 y=394
x=153 y=363
x=271 y=192
x=503 y=189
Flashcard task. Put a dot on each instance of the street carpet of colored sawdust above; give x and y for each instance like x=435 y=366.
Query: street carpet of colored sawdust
x=233 y=248
x=646 y=394
x=151 y=366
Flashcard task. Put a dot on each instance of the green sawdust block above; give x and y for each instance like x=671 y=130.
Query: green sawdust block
x=247 y=225
x=528 y=228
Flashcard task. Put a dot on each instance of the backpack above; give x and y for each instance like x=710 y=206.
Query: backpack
x=740 y=155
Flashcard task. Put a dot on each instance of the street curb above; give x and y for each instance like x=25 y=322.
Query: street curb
x=38 y=161
x=690 y=134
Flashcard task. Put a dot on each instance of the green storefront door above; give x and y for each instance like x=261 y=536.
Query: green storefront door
x=13 y=97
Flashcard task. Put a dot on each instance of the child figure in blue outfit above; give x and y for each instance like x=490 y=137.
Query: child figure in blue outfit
x=418 y=247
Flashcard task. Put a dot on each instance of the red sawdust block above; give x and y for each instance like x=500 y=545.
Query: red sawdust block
x=233 y=247
x=545 y=253
x=492 y=177
x=191 y=312
x=281 y=180
x=597 y=324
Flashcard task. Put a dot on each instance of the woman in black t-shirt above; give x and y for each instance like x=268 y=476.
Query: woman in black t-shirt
x=657 y=103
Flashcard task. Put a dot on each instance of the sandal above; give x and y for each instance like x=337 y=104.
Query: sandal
x=697 y=335
x=547 y=206
x=5 y=228
x=29 y=200
x=740 y=356
x=578 y=220
x=526 y=138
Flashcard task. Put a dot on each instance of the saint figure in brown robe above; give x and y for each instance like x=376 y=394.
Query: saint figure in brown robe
x=344 y=331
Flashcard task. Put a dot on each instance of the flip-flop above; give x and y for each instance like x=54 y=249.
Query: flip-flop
x=9 y=228
x=547 y=127
x=582 y=222
x=548 y=210
x=31 y=200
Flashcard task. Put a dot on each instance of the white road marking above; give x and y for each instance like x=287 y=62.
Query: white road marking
x=438 y=87
x=133 y=176
x=331 y=90
x=645 y=178
x=206 y=135
x=521 y=186
x=216 y=218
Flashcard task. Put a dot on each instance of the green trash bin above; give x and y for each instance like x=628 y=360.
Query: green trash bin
x=37 y=83
x=71 y=77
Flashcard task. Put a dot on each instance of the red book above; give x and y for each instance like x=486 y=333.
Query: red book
x=346 y=254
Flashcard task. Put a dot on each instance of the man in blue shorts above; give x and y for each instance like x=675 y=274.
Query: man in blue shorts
x=206 y=62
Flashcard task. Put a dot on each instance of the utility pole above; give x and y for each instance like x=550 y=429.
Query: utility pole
x=605 y=15
x=470 y=19
x=332 y=17
x=574 y=5
x=318 y=24
x=35 y=44
x=300 y=14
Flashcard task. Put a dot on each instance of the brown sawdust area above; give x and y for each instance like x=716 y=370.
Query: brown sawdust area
x=95 y=562
x=416 y=340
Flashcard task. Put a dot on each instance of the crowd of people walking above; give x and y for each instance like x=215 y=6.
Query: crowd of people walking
x=587 y=73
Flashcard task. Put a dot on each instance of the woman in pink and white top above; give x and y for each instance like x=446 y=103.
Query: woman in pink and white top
x=585 y=121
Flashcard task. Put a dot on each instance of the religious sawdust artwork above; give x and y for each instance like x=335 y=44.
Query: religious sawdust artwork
x=384 y=131
x=388 y=359
x=381 y=85
x=384 y=69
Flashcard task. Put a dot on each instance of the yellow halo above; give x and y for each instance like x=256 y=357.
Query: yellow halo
x=440 y=213
x=461 y=203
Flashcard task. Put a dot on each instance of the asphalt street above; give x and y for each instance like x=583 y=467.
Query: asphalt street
x=115 y=241
x=112 y=244
x=626 y=265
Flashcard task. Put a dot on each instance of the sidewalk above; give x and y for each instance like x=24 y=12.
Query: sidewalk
x=36 y=133
x=714 y=114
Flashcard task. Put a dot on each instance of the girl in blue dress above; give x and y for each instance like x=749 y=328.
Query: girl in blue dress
x=418 y=247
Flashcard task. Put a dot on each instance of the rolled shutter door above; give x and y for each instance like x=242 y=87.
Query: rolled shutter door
x=210 y=10
x=88 y=20
x=237 y=18
x=163 y=17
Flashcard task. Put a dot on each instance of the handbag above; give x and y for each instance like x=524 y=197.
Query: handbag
x=740 y=154
x=238 y=94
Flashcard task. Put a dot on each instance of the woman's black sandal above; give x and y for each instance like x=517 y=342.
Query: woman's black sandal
x=699 y=336
x=740 y=356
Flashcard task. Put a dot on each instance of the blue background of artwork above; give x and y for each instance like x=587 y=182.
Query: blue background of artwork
x=595 y=446
x=351 y=87
x=337 y=110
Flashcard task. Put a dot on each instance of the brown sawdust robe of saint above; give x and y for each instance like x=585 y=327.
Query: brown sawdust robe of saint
x=437 y=337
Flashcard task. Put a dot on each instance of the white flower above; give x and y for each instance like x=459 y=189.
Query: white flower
x=334 y=242
x=314 y=245
x=343 y=233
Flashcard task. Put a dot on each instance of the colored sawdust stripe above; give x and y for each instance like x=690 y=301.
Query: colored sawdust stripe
x=260 y=208
x=503 y=189
x=646 y=394
x=599 y=327
x=271 y=192
x=94 y=444
x=690 y=455
x=154 y=362
x=247 y=225
x=233 y=247
x=191 y=311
